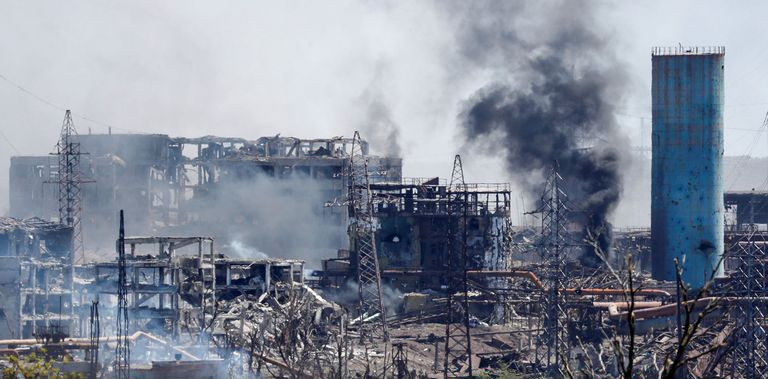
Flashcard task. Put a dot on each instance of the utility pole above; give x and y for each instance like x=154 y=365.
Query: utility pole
x=362 y=230
x=458 y=347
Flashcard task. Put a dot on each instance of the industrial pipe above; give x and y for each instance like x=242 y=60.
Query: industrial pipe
x=509 y=274
x=530 y=275
x=617 y=291
x=624 y=305
x=87 y=341
x=78 y=341
x=671 y=309
x=613 y=307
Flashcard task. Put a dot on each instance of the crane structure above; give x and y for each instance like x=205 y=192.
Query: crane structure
x=458 y=347
x=362 y=230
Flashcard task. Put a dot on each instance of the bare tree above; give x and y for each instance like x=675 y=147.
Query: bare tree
x=657 y=360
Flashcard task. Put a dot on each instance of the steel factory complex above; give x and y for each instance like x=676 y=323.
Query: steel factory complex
x=157 y=256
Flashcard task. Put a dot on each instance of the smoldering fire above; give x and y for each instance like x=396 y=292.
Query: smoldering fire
x=553 y=108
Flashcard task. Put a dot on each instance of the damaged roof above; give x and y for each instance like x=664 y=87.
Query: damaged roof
x=32 y=225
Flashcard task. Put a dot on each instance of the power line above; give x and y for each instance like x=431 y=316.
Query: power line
x=8 y=141
x=60 y=108
x=742 y=159
x=30 y=93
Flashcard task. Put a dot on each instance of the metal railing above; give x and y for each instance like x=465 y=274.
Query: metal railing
x=688 y=50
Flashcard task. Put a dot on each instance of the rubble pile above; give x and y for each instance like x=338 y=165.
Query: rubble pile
x=285 y=332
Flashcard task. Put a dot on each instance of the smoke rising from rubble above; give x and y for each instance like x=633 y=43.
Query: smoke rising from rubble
x=551 y=102
x=264 y=216
x=380 y=130
x=378 y=126
x=391 y=298
x=237 y=249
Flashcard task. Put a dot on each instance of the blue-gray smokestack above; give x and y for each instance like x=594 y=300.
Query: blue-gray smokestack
x=687 y=187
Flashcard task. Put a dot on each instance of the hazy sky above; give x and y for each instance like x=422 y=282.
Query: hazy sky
x=310 y=69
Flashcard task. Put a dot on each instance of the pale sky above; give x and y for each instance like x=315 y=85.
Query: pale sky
x=305 y=68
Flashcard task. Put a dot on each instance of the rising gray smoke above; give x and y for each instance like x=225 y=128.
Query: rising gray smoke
x=378 y=125
x=267 y=217
x=551 y=103
x=380 y=129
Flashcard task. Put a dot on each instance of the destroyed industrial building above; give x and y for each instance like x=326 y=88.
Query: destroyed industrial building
x=156 y=256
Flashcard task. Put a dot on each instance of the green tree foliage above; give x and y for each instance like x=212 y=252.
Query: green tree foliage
x=34 y=366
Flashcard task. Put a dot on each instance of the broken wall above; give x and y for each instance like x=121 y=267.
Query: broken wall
x=10 y=285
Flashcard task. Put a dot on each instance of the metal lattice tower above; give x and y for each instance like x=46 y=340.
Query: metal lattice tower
x=554 y=247
x=95 y=334
x=70 y=182
x=123 y=349
x=458 y=349
x=749 y=358
x=363 y=229
x=400 y=361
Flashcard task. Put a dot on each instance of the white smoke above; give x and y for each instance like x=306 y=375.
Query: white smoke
x=238 y=249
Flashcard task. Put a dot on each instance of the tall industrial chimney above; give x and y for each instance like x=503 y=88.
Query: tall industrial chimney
x=687 y=185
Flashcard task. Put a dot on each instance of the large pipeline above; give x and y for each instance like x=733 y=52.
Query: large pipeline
x=85 y=342
x=531 y=276
x=671 y=309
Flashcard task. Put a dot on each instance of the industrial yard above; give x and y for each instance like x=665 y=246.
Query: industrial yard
x=514 y=227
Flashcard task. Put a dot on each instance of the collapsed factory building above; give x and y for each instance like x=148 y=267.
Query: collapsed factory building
x=173 y=184
x=152 y=256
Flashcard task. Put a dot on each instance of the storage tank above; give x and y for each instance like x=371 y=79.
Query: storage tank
x=687 y=184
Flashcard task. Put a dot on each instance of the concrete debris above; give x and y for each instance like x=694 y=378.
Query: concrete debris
x=534 y=300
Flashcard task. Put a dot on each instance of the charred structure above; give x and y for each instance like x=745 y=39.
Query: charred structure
x=462 y=290
x=197 y=185
x=283 y=257
x=37 y=289
x=414 y=217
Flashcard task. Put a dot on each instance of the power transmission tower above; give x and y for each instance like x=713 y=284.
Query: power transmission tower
x=458 y=348
x=554 y=247
x=70 y=183
x=93 y=353
x=362 y=229
x=123 y=349
x=750 y=283
x=400 y=361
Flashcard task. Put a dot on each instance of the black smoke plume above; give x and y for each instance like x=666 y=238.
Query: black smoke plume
x=554 y=106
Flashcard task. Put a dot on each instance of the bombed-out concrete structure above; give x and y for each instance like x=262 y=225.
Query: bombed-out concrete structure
x=289 y=257
x=37 y=286
x=194 y=184
x=411 y=242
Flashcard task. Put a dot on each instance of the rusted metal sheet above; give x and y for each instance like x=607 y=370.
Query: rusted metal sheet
x=687 y=189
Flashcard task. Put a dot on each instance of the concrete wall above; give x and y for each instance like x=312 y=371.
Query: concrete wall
x=9 y=297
